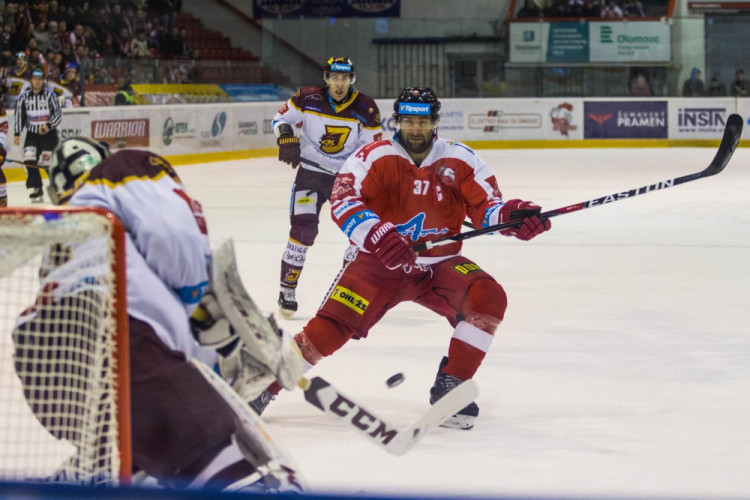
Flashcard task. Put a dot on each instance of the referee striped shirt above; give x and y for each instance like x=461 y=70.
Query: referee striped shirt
x=34 y=110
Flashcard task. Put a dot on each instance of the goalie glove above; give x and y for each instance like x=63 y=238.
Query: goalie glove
x=237 y=365
x=264 y=344
x=210 y=327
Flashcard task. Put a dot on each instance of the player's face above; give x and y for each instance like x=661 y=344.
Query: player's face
x=338 y=85
x=416 y=132
x=37 y=82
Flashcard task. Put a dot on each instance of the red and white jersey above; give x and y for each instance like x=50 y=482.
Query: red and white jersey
x=167 y=246
x=380 y=182
x=330 y=132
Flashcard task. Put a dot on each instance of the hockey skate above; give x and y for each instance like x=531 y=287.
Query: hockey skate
x=444 y=383
x=260 y=403
x=287 y=303
x=36 y=195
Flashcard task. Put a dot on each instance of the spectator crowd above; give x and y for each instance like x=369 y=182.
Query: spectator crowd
x=608 y=9
x=101 y=40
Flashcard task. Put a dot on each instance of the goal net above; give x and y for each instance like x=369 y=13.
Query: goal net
x=64 y=399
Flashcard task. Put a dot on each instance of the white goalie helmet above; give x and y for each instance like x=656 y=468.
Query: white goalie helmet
x=70 y=159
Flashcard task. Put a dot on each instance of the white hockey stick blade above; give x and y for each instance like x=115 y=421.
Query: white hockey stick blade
x=253 y=437
x=331 y=401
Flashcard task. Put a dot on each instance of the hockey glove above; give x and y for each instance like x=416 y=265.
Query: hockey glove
x=530 y=226
x=210 y=327
x=3 y=154
x=289 y=150
x=389 y=246
x=236 y=365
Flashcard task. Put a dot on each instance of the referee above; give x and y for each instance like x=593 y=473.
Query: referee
x=37 y=111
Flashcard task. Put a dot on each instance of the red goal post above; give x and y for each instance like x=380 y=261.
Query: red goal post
x=64 y=358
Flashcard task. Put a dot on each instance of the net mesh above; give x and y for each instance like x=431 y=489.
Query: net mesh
x=57 y=348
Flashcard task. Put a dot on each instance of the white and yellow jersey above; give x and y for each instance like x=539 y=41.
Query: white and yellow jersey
x=167 y=246
x=330 y=132
x=16 y=86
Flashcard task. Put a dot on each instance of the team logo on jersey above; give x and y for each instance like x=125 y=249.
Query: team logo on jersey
x=334 y=139
x=343 y=185
x=350 y=299
x=447 y=175
x=414 y=228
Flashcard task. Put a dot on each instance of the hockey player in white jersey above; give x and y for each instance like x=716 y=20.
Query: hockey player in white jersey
x=333 y=121
x=185 y=431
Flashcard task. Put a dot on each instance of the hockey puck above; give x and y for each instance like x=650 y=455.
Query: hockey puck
x=394 y=380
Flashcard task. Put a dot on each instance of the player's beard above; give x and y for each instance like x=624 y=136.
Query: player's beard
x=416 y=143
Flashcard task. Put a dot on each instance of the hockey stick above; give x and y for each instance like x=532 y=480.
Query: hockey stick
x=729 y=141
x=262 y=337
x=318 y=165
x=24 y=164
x=331 y=401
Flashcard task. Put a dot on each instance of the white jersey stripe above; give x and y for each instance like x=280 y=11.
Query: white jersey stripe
x=473 y=336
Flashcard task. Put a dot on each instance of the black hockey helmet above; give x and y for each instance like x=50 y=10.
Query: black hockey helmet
x=70 y=160
x=339 y=65
x=416 y=101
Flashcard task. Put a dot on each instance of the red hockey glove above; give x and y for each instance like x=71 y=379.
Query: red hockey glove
x=390 y=247
x=530 y=226
x=289 y=151
x=3 y=154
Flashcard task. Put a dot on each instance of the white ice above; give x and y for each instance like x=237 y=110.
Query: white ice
x=622 y=367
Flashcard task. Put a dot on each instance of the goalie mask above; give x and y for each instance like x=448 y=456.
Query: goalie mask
x=72 y=158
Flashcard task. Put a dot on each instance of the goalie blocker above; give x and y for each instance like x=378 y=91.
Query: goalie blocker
x=253 y=352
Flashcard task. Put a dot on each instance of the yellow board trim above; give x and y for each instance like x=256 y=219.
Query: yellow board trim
x=241 y=154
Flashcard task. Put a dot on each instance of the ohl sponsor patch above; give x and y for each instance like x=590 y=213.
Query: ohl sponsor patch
x=350 y=299
x=466 y=268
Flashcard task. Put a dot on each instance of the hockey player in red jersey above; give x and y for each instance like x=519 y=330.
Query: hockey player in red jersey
x=334 y=120
x=392 y=194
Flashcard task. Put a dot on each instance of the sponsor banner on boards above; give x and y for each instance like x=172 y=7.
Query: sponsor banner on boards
x=122 y=133
x=625 y=119
x=699 y=118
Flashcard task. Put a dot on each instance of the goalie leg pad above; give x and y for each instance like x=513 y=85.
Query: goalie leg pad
x=254 y=439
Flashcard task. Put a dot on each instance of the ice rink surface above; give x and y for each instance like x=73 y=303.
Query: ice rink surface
x=622 y=367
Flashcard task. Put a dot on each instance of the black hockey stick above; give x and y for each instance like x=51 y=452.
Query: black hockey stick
x=29 y=165
x=729 y=141
x=318 y=165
